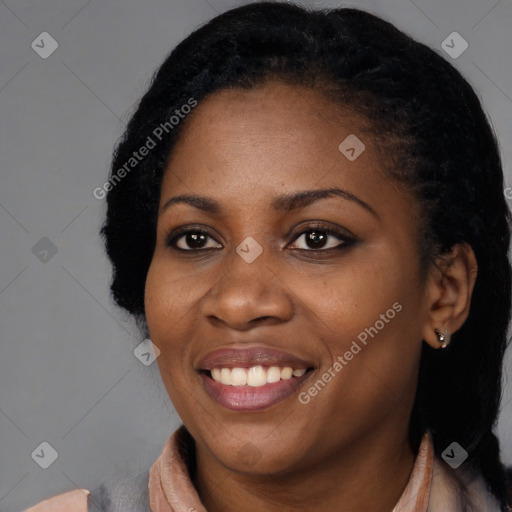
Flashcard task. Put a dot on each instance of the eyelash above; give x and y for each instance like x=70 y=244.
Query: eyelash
x=346 y=240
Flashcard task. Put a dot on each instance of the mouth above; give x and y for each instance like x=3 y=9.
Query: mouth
x=252 y=379
x=255 y=376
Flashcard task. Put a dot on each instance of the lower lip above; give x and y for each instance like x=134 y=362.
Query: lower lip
x=252 y=398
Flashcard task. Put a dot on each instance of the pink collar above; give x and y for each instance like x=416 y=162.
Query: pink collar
x=171 y=489
x=417 y=491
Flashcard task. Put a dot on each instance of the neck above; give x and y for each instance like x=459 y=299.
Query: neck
x=369 y=475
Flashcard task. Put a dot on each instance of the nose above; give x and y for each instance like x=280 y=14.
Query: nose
x=248 y=294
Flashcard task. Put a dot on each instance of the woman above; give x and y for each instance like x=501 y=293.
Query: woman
x=314 y=235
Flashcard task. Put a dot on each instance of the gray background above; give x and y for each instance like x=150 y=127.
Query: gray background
x=68 y=374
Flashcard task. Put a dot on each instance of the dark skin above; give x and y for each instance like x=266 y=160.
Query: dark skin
x=349 y=445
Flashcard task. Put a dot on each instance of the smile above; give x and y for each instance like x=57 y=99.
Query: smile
x=252 y=378
x=255 y=376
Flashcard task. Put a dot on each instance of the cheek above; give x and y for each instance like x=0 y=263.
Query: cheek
x=369 y=316
x=156 y=302
x=172 y=305
x=353 y=297
x=169 y=298
x=166 y=306
x=368 y=382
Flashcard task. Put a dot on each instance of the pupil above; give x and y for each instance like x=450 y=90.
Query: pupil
x=195 y=239
x=316 y=239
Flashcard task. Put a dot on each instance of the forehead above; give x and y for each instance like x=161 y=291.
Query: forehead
x=270 y=107
x=272 y=132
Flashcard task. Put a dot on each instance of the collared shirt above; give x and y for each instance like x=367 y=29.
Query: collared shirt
x=433 y=486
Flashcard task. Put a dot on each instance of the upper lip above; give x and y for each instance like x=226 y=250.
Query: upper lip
x=239 y=357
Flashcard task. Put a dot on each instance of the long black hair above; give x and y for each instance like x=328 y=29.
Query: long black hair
x=438 y=143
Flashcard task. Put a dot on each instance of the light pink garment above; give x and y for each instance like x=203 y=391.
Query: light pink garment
x=416 y=494
x=72 y=501
x=171 y=489
x=432 y=487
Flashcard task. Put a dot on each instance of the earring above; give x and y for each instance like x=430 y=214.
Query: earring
x=443 y=338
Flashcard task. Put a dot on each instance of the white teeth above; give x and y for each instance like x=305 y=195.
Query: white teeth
x=286 y=373
x=225 y=376
x=273 y=374
x=238 y=377
x=254 y=376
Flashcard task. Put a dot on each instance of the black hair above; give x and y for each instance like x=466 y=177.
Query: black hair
x=439 y=144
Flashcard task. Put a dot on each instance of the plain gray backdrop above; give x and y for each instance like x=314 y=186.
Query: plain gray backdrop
x=68 y=373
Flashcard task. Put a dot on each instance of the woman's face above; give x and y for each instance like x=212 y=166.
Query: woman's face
x=268 y=287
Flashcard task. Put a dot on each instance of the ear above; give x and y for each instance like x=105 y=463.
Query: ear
x=449 y=290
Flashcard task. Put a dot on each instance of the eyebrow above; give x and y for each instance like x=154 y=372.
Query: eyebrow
x=284 y=203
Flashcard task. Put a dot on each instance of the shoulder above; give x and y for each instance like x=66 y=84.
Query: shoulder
x=119 y=493
x=75 y=501
x=459 y=490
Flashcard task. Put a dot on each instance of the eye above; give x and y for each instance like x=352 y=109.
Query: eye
x=194 y=239
x=317 y=238
x=322 y=238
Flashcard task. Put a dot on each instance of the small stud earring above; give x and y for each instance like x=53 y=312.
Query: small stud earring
x=443 y=338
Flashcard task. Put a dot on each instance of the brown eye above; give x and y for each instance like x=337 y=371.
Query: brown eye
x=322 y=239
x=190 y=240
